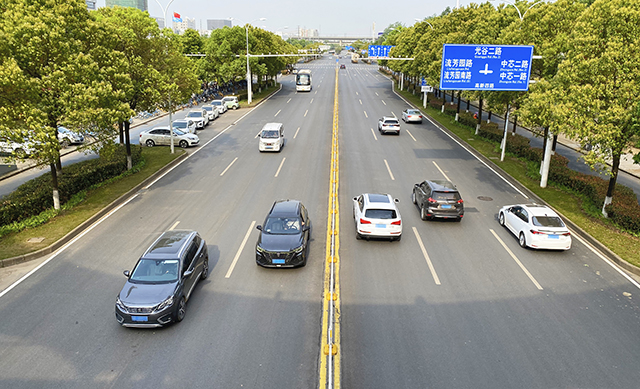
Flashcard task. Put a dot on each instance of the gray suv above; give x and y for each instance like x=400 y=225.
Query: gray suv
x=438 y=198
x=159 y=286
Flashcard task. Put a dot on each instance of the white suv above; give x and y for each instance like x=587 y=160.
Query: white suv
x=389 y=124
x=231 y=102
x=377 y=216
x=199 y=116
x=212 y=111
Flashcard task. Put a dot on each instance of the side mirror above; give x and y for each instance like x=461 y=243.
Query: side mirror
x=126 y=273
x=355 y=199
x=259 y=227
x=188 y=273
x=396 y=200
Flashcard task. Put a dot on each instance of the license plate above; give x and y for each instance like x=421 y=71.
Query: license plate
x=381 y=226
x=140 y=318
x=268 y=147
x=446 y=206
x=554 y=236
x=278 y=261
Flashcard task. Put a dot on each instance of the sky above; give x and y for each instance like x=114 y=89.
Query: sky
x=329 y=17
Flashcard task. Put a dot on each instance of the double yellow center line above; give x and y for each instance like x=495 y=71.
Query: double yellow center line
x=330 y=341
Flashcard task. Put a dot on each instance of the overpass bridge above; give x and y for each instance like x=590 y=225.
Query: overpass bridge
x=338 y=39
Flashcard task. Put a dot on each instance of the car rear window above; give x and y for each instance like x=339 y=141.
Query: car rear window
x=413 y=112
x=380 y=214
x=390 y=121
x=547 y=221
x=446 y=196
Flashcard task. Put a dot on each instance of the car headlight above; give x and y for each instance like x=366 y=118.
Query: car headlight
x=166 y=303
x=260 y=249
x=120 y=305
x=298 y=250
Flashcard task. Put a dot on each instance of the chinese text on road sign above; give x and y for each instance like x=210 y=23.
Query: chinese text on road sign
x=486 y=67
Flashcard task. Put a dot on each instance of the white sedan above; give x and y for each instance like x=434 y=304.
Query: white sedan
x=377 y=216
x=162 y=137
x=536 y=226
x=411 y=115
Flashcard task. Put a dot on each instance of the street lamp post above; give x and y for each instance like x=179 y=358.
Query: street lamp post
x=520 y=14
x=164 y=12
x=246 y=29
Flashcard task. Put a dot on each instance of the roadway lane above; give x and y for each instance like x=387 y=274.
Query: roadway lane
x=481 y=319
x=245 y=326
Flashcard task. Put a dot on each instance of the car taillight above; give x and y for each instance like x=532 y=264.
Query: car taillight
x=534 y=232
x=396 y=223
x=566 y=234
x=460 y=201
x=362 y=221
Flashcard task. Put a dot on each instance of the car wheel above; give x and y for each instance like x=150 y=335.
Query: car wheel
x=150 y=143
x=459 y=219
x=501 y=219
x=423 y=213
x=522 y=240
x=205 y=269
x=358 y=236
x=184 y=144
x=181 y=311
x=413 y=197
x=398 y=238
x=234 y=107
x=65 y=143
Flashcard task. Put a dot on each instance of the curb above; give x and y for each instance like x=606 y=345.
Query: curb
x=97 y=216
x=604 y=250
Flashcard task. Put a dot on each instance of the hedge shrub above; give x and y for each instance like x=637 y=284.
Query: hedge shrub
x=35 y=196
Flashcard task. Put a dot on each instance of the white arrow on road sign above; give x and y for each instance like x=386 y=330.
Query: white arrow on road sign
x=486 y=70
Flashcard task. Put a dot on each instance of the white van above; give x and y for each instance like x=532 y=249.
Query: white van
x=271 y=137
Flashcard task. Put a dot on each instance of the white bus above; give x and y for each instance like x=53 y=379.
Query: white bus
x=303 y=81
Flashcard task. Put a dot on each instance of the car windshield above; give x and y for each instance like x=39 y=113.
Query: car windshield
x=380 y=214
x=547 y=221
x=194 y=114
x=282 y=225
x=178 y=132
x=270 y=134
x=216 y=102
x=444 y=196
x=180 y=124
x=151 y=271
x=208 y=108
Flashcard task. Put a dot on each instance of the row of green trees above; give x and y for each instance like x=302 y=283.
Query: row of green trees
x=586 y=83
x=61 y=65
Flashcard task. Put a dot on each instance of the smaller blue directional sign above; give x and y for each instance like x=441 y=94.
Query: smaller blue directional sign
x=486 y=67
x=379 y=50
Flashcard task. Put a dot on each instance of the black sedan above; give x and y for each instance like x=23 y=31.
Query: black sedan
x=158 y=288
x=284 y=236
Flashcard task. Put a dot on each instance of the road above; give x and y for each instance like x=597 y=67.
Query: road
x=475 y=318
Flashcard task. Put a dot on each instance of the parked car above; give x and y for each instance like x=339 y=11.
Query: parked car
x=536 y=226
x=221 y=105
x=377 y=216
x=199 y=116
x=211 y=111
x=161 y=136
x=412 y=116
x=284 y=235
x=271 y=137
x=438 y=199
x=185 y=125
x=19 y=150
x=389 y=124
x=67 y=137
x=161 y=282
x=231 y=102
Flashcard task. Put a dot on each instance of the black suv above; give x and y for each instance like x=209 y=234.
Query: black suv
x=438 y=198
x=284 y=236
x=159 y=286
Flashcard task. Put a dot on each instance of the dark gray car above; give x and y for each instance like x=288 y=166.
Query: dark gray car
x=159 y=286
x=438 y=198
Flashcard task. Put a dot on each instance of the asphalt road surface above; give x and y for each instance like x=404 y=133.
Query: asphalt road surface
x=463 y=313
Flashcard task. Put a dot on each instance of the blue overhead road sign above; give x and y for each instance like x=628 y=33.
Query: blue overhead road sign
x=379 y=50
x=486 y=67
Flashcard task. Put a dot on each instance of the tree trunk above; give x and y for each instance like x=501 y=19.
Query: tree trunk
x=468 y=101
x=489 y=117
x=515 y=123
x=555 y=143
x=121 y=128
x=128 y=145
x=54 y=184
x=458 y=108
x=615 y=164
x=479 y=116
x=58 y=166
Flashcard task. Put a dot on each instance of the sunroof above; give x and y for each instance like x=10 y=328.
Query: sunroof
x=378 y=198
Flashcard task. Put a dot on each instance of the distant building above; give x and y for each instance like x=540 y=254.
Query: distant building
x=91 y=5
x=307 y=33
x=139 y=4
x=160 y=22
x=214 y=24
x=185 y=24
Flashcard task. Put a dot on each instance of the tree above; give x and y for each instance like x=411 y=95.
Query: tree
x=600 y=78
x=50 y=77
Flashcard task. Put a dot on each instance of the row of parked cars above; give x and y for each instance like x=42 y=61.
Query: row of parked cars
x=66 y=138
x=184 y=130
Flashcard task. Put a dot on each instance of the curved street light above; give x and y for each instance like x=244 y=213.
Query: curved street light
x=509 y=2
x=246 y=28
x=424 y=20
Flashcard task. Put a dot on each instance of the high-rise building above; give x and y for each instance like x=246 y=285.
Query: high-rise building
x=214 y=24
x=139 y=4
x=185 y=24
x=160 y=22
x=91 y=5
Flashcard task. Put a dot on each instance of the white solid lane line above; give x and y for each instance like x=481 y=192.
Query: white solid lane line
x=374 y=134
x=225 y=170
x=524 y=269
x=277 y=113
x=280 y=167
x=445 y=176
x=174 y=225
x=389 y=170
x=414 y=139
x=296 y=134
x=426 y=257
x=244 y=242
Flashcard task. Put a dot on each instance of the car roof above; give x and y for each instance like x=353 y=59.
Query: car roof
x=539 y=210
x=378 y=201
x=389 y=118
x=442 y=185
x=271 y=126
x=169 y=245
x=285 y=208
